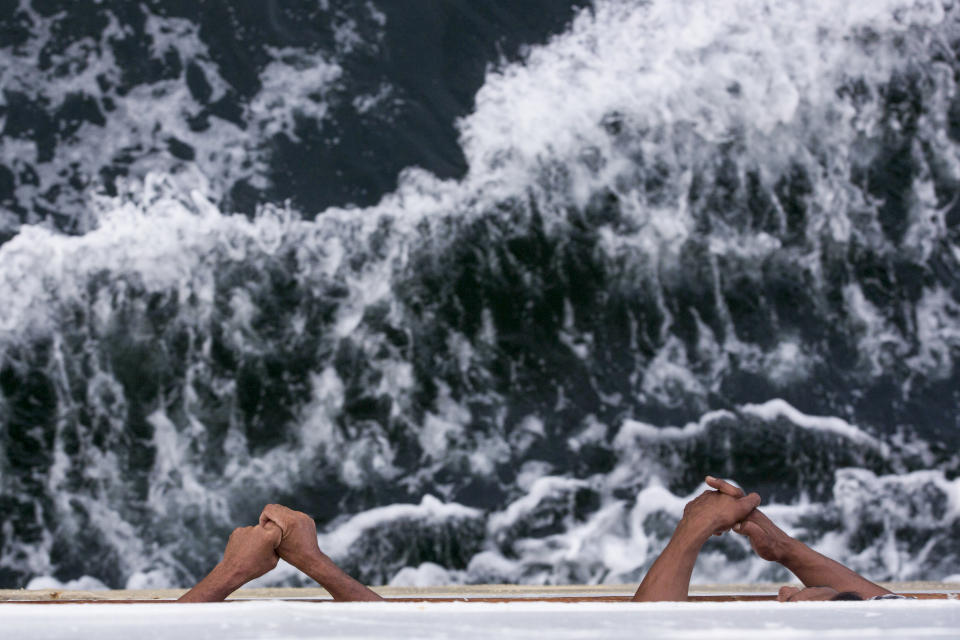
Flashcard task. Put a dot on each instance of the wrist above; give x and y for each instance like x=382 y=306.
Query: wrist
x=693 y=532
x=789 y=550
x=305 y=560
x=320 y=567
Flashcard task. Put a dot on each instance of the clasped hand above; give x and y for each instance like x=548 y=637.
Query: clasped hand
x=281 y=533
x=766 y=538
x=714 y=512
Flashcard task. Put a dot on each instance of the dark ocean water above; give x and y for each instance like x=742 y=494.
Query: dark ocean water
x=486 y=288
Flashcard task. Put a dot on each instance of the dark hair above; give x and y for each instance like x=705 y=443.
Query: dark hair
x=847 y=595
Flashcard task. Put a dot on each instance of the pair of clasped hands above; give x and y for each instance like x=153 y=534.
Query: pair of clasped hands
x=253 y=551
x=281 y=533
x=729 y=508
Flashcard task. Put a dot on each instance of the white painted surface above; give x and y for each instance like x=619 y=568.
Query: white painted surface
x=890 y=620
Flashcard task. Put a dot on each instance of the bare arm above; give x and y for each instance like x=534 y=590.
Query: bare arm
x=215 y=587
x=712 y=512
x=250 y=553
x=812 y=568
x=298 y=546
x=340 y=585
x=669 y=577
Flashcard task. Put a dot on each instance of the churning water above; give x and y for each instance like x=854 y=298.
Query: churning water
x=487 y=288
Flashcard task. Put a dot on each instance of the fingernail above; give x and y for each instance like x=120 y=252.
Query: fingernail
x=710 y=478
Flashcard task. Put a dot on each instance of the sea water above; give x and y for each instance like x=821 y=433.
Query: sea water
x=485 y=288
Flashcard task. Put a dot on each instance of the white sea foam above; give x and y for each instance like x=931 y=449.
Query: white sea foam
x=594 y=432
x=292 y=86
x=938 y=333
x=686 y=81
x=141 y=120
x=439 y=431
x=787 y=363
x=586 y=553
x=427 y=574
x=83 y=583
x=881 y=345
x=676 y=66
x=669 y=378
x=772 y=409
x=632 y=430
x=542 y=488
x=337 y=542
x=924 y=500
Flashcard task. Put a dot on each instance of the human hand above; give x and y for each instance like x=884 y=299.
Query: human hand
x=298 y=546
x=714 y=512
x=725 y=487
x=251 y=551
x=797 y=594
x=298 y=540
x=767 y=539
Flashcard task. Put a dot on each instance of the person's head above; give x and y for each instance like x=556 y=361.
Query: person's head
x=795 y=594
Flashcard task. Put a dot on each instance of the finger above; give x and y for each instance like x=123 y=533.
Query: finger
x=275 y=533
x=751 y=523
x=724 y=487
x=759 y=517
x=747 y=504
x=265 y=514
x=785 y=592
x=274 y=513
x=748 y=529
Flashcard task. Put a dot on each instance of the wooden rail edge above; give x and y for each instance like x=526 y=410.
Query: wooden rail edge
x=696 y=598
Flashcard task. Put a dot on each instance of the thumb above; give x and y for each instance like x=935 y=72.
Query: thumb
x=275 y=532
x=269 y=515
x=748 y=529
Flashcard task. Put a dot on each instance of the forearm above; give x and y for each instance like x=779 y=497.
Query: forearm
x=332 y=578
x=669 y=577
x=817 y=570
x=215 y=587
